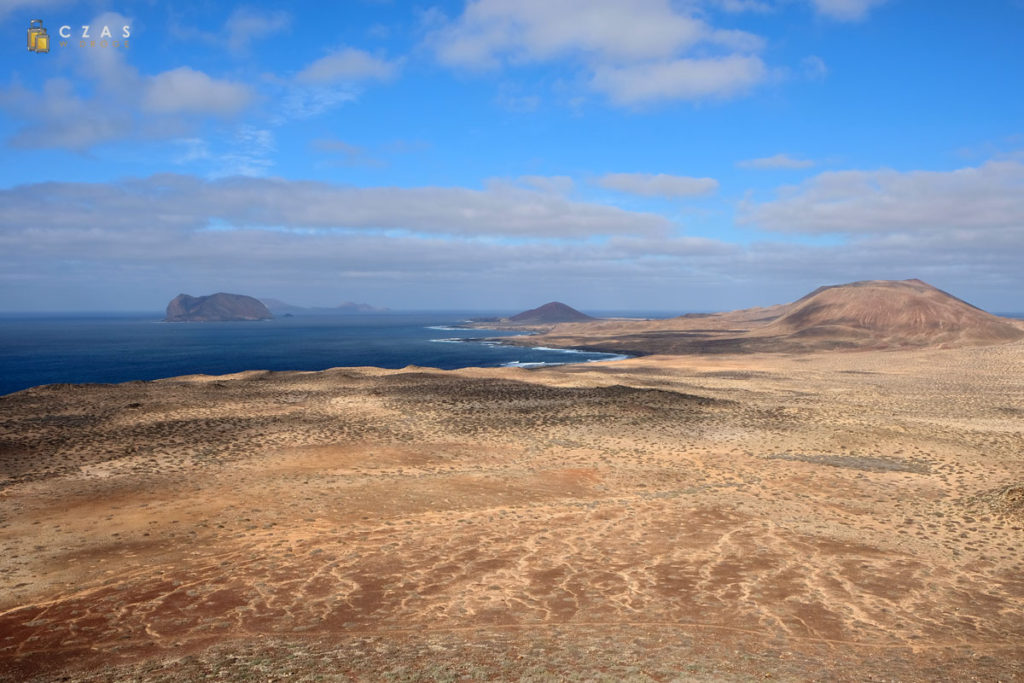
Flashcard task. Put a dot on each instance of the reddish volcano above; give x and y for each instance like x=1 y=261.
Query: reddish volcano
x=890 y=312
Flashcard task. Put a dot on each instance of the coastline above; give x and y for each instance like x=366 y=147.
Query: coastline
x=521 y=341
x=105 y=349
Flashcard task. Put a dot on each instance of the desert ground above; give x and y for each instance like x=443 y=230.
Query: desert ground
x=810 y=516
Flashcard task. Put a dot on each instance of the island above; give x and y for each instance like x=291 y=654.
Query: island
x=219 y=307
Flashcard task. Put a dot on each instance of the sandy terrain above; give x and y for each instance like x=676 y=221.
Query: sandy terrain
x=831 y=516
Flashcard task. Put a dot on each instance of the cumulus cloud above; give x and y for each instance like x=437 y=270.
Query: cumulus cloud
x=56 y=116
x=121 y=103
x=635 y=52
x=528 y=30
x=783 y=161
x=964 y=203
x=348 y=64
x=185 y=90
x=108 y=68
x=658 y=185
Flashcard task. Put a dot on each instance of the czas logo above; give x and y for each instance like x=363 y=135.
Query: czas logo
x=38 y=40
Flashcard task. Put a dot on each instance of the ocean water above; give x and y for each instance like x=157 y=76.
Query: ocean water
x=44 y=349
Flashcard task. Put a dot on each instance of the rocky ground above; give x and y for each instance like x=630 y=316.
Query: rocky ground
x=833 y=516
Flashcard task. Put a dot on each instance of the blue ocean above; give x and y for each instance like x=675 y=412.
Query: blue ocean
x=44 y=349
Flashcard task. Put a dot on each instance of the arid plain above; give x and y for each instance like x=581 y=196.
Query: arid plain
x=822 y=515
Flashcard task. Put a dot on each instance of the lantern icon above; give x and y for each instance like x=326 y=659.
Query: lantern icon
x=38 y=40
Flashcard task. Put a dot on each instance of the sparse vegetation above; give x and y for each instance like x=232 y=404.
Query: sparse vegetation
x=726 y=518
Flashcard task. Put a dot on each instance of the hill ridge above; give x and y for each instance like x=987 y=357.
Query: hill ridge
x=867 y=314
x=551 y=312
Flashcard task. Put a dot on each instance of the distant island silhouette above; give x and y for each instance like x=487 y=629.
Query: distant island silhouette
x=553 y=312
x=282 y=308
x=219 y=307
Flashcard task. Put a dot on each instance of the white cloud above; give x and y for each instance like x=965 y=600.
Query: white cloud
x=980 y=202
x=188 y=203
x=634 y=52
x=109 y=68
x=777 y=161
x=685 y=79
x=845 y=10
x=348 y=64
x=659 y=185
x=247 y=24
x=56 y=116
x=185 y=90
x=526 y=30
x=136 y=243
x=133 y=244
x=121 y=105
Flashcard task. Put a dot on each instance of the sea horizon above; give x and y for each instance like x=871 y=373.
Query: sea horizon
x=113 y=347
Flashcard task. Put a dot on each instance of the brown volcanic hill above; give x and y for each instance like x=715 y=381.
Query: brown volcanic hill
x=218 y=307
x=889 y=313
x=554 y=312
x=873 y=314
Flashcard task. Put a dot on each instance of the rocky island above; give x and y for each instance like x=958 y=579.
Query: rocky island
x=220 y=307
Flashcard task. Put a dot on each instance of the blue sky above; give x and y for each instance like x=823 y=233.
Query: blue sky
x=496 y=154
